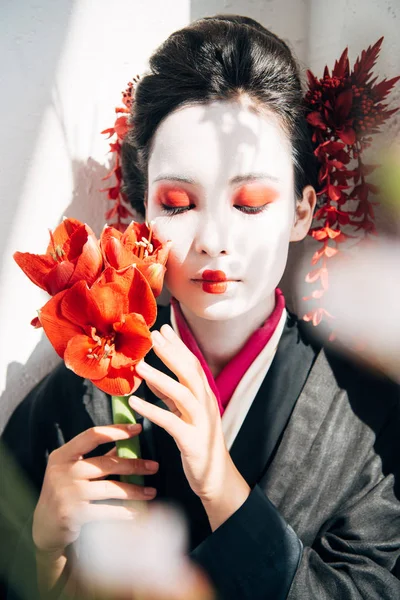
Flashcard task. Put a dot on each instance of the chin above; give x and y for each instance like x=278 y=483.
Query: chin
x=213 y=307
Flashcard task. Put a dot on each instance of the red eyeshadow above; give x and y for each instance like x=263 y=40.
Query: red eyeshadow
x=173 y=196
x=255 y=195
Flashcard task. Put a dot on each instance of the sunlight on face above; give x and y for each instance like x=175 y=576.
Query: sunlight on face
x=221 y=188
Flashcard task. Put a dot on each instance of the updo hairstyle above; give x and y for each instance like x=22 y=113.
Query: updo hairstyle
x=225 y=57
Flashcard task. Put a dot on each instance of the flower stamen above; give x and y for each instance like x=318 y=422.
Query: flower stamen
x=104 y=347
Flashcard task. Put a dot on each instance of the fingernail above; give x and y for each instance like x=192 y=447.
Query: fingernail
x=149 y=491
x=151 y=465
x=168 y=332
x=133 y=426
x=142 y=366
x=135 y=401
x=157 y=338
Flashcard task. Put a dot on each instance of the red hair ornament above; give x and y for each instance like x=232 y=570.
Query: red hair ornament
x=344 y=110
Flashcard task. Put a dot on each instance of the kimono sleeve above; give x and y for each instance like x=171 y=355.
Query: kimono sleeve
x=357 y=555
x=256 y=555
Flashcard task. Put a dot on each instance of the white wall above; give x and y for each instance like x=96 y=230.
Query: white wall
x=63 y=66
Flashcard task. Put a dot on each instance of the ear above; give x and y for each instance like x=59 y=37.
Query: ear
x=304 y=214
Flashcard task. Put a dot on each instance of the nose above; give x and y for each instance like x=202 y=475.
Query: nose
x=213 y=234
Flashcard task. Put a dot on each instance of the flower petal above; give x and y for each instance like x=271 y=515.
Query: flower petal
x=141 y=299
x=133 y=233
x=36 y=323
x=86 y=253
x=59 y=277
x=315 y=119
x=135 y=295
x=35 y=266
x=154 y=273
x=162 y=252
x=119 y=382
x=58 y=329
x=343 y=104
x=76 y=358
x=62 y=233
x=313 y=276
x=116 y=254
x=347 y=135
x=110 y=293
x=132 y=340
x=79 y=306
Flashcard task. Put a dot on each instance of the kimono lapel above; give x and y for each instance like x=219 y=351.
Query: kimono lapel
x=97 y=405
x=270 y=411
x=307 y=417
x=257 y=439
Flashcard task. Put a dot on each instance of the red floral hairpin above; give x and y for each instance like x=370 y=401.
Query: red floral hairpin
x=344 y=109
x=120 y=211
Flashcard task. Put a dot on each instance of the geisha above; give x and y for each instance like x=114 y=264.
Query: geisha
x=282 y=455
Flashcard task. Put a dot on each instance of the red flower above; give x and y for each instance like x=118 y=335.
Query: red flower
x=137 y=245
x=121 y=128
x=72 y=254
x=120 y=208
x=316 y=315
x=103 y=331
x=343 y=109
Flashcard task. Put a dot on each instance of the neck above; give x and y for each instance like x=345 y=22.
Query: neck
x=219 y=341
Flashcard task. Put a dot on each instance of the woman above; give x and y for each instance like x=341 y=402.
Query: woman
x=282 y=455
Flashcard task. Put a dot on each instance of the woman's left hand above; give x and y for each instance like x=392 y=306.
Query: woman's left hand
x=194 y=422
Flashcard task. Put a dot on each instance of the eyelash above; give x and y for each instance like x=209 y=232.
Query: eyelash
x=250 y=210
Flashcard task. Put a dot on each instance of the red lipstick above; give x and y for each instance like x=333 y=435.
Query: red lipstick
x=214 y=282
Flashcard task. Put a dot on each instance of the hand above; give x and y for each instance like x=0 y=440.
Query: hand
x=194 y=422
x=66 y=499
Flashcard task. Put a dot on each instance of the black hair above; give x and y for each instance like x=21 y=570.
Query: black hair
x=217 y=58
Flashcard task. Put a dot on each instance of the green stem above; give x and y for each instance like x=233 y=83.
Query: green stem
x=130 y=448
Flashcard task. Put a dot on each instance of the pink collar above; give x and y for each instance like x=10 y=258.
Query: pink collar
x=225 y=383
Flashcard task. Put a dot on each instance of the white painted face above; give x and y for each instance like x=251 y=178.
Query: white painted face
x=221 y=188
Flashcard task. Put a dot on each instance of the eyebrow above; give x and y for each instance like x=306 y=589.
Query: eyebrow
x=237 y=179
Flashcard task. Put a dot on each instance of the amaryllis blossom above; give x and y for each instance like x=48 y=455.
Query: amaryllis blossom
x=102 y=332
x=137 y=245
x=72 y=254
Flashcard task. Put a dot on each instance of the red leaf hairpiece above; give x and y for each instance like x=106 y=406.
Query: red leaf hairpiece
x=120 y=209
x=344 y=109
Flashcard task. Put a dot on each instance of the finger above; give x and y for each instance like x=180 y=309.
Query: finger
x=112 y=452
x=102 y=466
x=181 y=396
x=180 y=360
x=89 y=439
x=114 y=490
x=165 y=419
x=171 y=405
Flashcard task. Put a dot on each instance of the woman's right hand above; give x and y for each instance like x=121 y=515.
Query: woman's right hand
x=72 y=483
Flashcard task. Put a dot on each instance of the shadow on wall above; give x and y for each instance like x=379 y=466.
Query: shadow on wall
x=88 y=205
x=87 y=181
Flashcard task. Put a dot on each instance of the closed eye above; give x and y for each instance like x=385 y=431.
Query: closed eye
x=248 y=210
x=252 y=210
x=176 y=210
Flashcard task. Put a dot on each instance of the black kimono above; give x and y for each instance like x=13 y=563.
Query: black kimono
x=319 y=448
